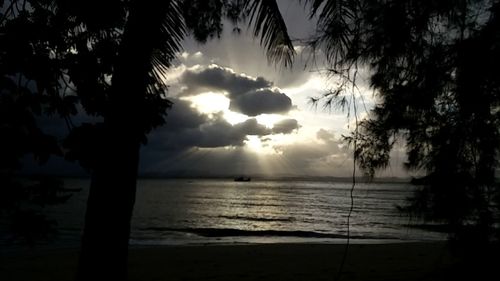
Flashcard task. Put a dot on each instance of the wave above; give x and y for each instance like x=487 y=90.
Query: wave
x=226 y=232
x=288 y=219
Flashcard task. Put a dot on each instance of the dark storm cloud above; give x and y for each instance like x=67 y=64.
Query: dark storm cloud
x=218 y=78
x=251 y=127
x=285 y=126
x=187 y=128
x=219 y=133
x=248 y=95
x=183 y=116
x=261 y=101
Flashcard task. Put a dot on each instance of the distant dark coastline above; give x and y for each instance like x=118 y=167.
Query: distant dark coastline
x=231 y=178
x=282 y=178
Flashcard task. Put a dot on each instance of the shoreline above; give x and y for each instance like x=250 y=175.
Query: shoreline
x=397 y=261
x=48 y=248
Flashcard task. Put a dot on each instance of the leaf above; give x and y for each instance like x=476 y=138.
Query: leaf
x=269 y=24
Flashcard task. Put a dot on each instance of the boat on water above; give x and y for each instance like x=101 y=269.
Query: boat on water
x=242 y=178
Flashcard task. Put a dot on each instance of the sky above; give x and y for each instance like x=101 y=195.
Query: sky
x=234 y=113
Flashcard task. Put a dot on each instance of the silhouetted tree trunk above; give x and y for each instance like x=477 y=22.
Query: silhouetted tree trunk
x=104 y=251
x=112 y=192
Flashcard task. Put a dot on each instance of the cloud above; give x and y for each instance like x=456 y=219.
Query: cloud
x=219 y=133
x=217 y=78
x=313 y=155
x=325 y=155
x=325 y=136
x=187 y=128
x=185 y=56
x=251 y=127
x=262 y=101
x=248 y=95
x=285 y=126
x=244 y=53
x=183 y=116
x=209 y=155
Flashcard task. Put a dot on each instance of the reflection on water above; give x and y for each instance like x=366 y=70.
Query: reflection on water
x=224 y=211
x=277 y=209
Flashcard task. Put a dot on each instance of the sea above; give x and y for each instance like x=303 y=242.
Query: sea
x=222 y=211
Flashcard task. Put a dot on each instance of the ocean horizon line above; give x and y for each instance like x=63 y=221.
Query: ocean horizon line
x=253 y=177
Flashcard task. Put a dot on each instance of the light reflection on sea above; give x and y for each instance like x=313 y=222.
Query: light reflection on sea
x=221 y=211
x=224 y=211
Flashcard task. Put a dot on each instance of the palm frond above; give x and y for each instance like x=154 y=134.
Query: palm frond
x=167 y=43
x=269 y=24
x=169 y=40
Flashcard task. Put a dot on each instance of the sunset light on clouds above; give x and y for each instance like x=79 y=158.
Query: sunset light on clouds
x=228 y=100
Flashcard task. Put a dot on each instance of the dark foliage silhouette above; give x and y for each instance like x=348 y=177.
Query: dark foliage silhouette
x=22 y=199
x=433 y=69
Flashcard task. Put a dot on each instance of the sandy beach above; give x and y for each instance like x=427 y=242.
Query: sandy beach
x=405 y=261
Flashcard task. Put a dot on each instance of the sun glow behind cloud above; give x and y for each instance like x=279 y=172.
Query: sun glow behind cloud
x=209 y=102
x=282 y=136
x=212 y=103
x=221 y=124
x=310 y=117
x=234 y=117
x=255 y=144
x=269 y=120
